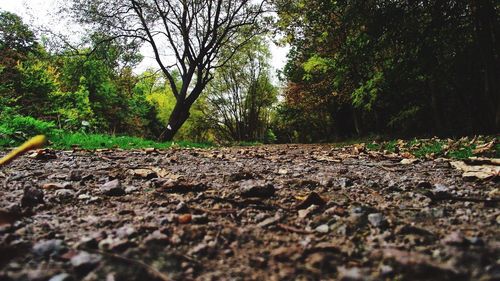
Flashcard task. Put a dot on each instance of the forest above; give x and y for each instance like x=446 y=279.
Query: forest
x=355 y=69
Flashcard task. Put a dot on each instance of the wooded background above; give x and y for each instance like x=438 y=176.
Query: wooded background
x=356 y=68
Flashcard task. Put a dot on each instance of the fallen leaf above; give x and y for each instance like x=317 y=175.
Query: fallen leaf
x=144 y=173
x=312 y=199
x=483 y=148
x=408 y=161
x=481 y=172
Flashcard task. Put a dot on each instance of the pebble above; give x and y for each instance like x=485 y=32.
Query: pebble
x=75 y=175
x=156 y=238
x=61 y=277
x=112 y=188
x=64 y=194
x=376 y=219
x=48 y=247
x=352 y=274
x=126 y=231
x=131 y=189
x=345 y=182
x=32 y=196
x=440 y=188
x=254 y=188
x=323 y=228
x=85 y=262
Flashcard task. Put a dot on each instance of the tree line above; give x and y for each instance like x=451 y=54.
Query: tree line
x=356 y=68
x=398 y=67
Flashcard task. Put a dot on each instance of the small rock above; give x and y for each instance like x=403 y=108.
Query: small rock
x=386 y=270
x=126 y=231
x=455 y=238
x=282 y=171
x=254 y=188
x=32 y=196
x=185 y=219
x=156 y=238
x=48 y=247
x=85 y=262
x=88 y=243
x=84 y=197
x=345 y=182
x=131 y=189
x=323 y=228
x=112 y=188
x=64 y=194
x=424 y=185
x=75 y=175
x=181 y=207
x=438 y=188
x=243 y=175
x=61 y=277
x=376 y=219
x=199 y=219
x=353 y=274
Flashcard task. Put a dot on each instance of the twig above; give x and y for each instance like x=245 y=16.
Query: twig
x=293 y=229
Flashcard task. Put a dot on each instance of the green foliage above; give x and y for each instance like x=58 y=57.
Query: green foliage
x=365 y=96
x=240 y=99
x=15 y=35
x=390 y=67
x=34 y=87
x=432 y=148
x=270 y=137
x=98 y=141
x=15 y=129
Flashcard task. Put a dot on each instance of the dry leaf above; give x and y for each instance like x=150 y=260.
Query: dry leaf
x=477 y=171
x=408 y=161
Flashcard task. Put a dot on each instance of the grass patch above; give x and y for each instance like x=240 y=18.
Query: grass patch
x=430 y=148
x=98 y=141
x=66 y=141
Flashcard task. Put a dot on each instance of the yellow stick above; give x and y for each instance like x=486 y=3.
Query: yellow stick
x=33 y=143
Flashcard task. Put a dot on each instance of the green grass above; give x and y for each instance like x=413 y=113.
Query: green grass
x=97 y=141
x=455 y=149
x=66 y=141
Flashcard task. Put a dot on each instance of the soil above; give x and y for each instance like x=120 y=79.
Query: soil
x=283 y=212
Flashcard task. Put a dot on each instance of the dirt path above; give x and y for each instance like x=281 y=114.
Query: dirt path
x=290 y=212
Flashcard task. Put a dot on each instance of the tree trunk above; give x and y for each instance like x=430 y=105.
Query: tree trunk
x=487 y=33
x=177 y=118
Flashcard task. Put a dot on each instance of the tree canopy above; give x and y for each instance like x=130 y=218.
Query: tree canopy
x=199 y=36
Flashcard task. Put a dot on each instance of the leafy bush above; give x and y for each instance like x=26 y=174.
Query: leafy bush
x=270 y=137
x=18 y=128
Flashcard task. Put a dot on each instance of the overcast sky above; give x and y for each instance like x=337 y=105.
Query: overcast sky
x=35 y=12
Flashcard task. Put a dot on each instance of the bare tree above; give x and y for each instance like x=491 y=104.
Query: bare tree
x=186 y=36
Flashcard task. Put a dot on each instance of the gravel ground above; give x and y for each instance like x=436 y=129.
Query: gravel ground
x=283 y=212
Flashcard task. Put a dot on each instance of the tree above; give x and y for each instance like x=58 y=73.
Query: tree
x=241 y=95
x=15 y=35
x=195 y=31
x=392 y=67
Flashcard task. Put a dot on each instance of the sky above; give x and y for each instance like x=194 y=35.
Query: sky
x=35 y=13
